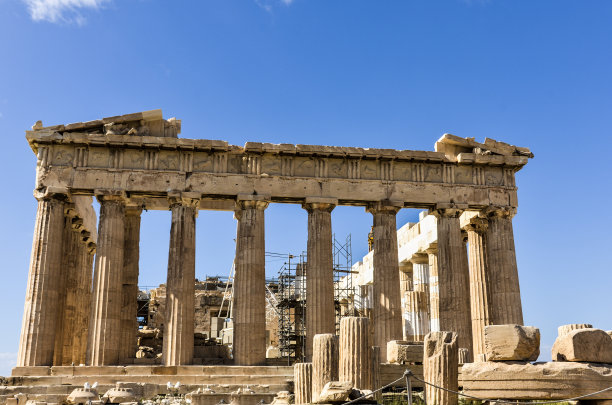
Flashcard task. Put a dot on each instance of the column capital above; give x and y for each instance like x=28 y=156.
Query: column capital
x=133 y=210
x=55 y=193
x=448 y=210
x=385 y=206
x=103 y=195
x=419 y=258
x=432 y=249
x=498 y=212
x=478 y=225
x=246 y=201
x=184 y=198
x=320 y=203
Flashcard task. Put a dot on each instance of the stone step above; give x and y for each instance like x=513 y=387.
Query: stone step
x=184 y=379
x=146 y=370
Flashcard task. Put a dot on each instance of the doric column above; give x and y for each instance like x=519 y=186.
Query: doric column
x=386 y=311
x=453 y=277
x=105 y=321
x=405 y=276
x=320 y=311
x=441 y=368
x=325 y=360
x=68 y=305
x=356 y=352
x=505 y=292
x=129 y=289
x=416 y=302
x=302 y=380
x=479 y=283
x=180 y=286
x=40 y=312
x=249 y=284
x=434 y=297
x=84 y=298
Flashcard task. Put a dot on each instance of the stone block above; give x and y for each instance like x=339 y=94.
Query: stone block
x=335 y=392
x=511 y=343
x=589 y=345
x=538 y=381
x=564 y=329
x=403 y=352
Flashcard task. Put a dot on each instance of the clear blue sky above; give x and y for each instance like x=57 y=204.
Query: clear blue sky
x=392 y=74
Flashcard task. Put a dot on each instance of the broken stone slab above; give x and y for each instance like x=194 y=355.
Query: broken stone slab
x=335 y=392
x=590 y=345
x=511 y=343
x=82 y=396
x=538 y=381
x=565 y=329
x=118 y=395
x=403 y=352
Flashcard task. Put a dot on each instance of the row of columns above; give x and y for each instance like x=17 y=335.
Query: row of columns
x=56 y=312
x=465 y=294
x=58 y=293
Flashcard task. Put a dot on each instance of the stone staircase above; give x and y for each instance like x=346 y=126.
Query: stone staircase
x=53 y=384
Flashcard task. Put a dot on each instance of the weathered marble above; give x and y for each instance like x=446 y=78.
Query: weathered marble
x=249 y=284
x=386 y=311
x=320 y=311
x=180 y=287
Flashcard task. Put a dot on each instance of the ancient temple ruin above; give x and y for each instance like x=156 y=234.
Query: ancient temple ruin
x=73 y=333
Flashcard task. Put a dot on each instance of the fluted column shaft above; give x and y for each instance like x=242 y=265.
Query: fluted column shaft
x=83 y=309
x=415 y=316
x=71 y=266
x=405 y=276
x=129 y=289
x=302 y=378
x=505 y=292
x=453 y=278
x=434 y=296
x=320 y=311
x=324 y=362
x=479 y=283
x=356 y=352
x=105 y=321
x=38 y=329
x=386 y=311
x=441 y=367
x=249 y=285
x=180 y=286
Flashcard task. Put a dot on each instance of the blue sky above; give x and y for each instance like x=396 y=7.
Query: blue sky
x=392 y=74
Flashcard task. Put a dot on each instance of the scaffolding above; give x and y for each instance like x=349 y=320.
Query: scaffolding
x=291 y=297
x=291 y=305
x=343 y=280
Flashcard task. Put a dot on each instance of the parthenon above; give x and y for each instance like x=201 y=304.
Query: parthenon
x=454 y=271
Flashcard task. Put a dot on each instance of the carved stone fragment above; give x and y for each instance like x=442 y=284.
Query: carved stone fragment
x=511 y=342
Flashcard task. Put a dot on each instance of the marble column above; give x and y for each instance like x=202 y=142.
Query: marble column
x=479 y=283
x=68 y=304
x=453 y=278
x=105 y=320
x=405 y=276
x=416 y=302
x=249 y=284
x=180 y=285
x=320 y=309
x=38 y=329
x=129 y=289
x=505 y=292
x=434 y=297
x=85 y=294
x=387 y=310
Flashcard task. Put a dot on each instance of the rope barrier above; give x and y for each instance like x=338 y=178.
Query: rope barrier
x=408 y=374
x=374 y=392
